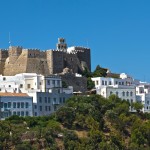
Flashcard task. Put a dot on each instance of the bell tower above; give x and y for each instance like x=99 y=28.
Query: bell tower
x=61 y=45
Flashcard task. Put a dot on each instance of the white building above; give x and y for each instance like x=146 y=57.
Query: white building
x=143 y=95
x=123 y=87
x=29 y=82
x=15 y=104
x=37 y=87
x=123 y=92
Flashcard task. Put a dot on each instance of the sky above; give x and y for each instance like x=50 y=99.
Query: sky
x=117 y=31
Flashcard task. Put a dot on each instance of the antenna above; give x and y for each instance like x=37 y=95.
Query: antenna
x=9 y=40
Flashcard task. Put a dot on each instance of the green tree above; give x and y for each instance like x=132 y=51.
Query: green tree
x=90 y=84
x=86 y=73
x=137 y=106
x=64 y=84
x=66 y=115
x=100 y=72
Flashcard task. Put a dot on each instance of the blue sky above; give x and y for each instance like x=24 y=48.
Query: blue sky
x=117 y=31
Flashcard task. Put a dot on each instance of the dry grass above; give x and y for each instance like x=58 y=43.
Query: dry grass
x=82 y=134
x=60 y=143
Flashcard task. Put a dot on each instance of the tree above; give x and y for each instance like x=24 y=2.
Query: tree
x=137 y=106
x=64 y=84
x=66 y=115
x=86 y=73
x=90 y=84
x=100 y=72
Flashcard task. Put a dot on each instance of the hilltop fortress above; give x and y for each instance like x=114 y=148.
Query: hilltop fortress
x=19 y=60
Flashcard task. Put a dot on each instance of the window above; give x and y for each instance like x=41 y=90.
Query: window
x=27 y=105
x=1 y=104
x=60 y=100
x=111 y=92
x=53 y=82
x=49 y=99
x=148 y=102
x=45 y=99
x=131 y=100
x=18 y=105
x=9 y=104
x=4 y=78
x=35 y=114
x=58 y=82
x=35 y=106
x=127 y=93
x=122 y=83
x=28 y=85
x=18 y=113
x=109 y=82
x=116 y=82
x=96 y=82
x=54 y=100
x=48 y=82
x=105 y=82
x=40 y=108
x=49 y=108
x=14 y=112
x=45 y=108
x=119 y=83
x=21 y=85
x=123 y=93
x=22 y=104
x=22 y=113
x=9 y=86
x=5 y=105
x=14 y=104
x=131 y=93
x=63 y=99
x=102 y=82
x=40 y=99
x=55 y=108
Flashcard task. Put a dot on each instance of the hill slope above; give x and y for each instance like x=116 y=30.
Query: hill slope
x=83 y=123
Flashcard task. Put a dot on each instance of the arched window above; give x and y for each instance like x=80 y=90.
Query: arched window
x=123 y=93
x=131 y=93
x=127 y=93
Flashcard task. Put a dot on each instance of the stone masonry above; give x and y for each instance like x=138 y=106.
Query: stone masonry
x=17 y=60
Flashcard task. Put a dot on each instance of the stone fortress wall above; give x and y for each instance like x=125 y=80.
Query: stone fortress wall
x=19 y=60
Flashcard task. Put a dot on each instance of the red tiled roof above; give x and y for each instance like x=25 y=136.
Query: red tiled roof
x=14 y=94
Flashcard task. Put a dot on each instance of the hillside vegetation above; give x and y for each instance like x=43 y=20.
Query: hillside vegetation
x=83 y=123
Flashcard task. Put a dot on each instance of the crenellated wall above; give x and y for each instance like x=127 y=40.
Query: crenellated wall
x=18 y=60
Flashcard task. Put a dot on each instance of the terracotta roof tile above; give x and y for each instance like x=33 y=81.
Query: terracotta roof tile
x=14 y=94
